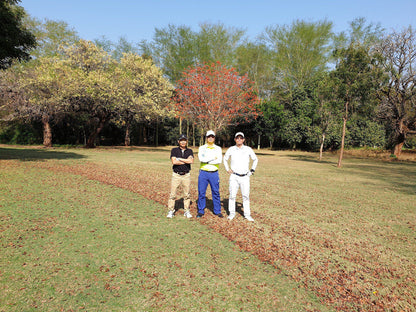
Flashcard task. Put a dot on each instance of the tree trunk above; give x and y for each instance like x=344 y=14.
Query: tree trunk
x=127 y=136
x=397 y=149
x=341 y=153
x=47 y=132
x=94 y=134
x=321 y=149
x=157 y=134
x=344 y=129
x=258 y=142
x=193 y=135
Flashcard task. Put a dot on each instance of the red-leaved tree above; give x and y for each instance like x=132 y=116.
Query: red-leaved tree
x=213 y=96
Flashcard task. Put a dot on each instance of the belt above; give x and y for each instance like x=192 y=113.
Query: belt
x=181 y=173
x=240 y=175
x=209 y=171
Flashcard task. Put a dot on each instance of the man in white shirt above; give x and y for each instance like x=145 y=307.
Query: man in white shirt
x=240 y=173
x=210 y=157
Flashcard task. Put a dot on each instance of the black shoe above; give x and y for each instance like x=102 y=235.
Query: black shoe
x=220 y=215
x=199 y=215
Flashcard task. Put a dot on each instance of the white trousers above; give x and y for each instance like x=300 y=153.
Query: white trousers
x=243 y=183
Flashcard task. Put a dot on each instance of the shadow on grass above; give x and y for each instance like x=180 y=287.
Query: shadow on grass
x=399 y=175
x=136 y=148
x=309 y=158
x=35 y=154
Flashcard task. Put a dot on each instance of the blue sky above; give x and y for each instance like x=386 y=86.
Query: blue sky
x=136 y=20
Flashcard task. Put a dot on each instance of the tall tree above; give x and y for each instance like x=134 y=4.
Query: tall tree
x=37 y=91
x=15 y=40
x=217 y=43
x=51 y=36
x=357 y=77
x=253 y=59
x=93 y=92
x=327 y=111
x=173 y=49
x=213 y=96
x=398 y=97
x=299 y=51
x=145 y=94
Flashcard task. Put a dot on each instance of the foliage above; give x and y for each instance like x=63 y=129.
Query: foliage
x=144 y=93
x=255 y=61
x=357 y=76
x=213 y=96
x=51 y=36
x=398 y=96
x=16 y=40
x=175 y=48
x=37 y=91
x=298 y=52
x=21 y=133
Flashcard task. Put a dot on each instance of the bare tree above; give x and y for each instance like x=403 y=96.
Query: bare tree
x=398 y=97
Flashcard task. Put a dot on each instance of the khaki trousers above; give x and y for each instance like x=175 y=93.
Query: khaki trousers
x=177 y=181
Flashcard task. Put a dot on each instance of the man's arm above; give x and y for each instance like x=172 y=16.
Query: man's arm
x=254 y=158
x=204 y=156
x=226 y=157
x=218 y=157
x=181 y=161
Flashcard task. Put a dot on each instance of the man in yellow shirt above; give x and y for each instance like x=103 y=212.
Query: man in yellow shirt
x=210 y=157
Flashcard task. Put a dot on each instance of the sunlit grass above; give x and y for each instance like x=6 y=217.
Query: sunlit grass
x=348 y=234
x=69 y=243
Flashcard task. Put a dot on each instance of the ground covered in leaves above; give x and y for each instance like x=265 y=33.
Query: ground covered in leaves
x=346 y=234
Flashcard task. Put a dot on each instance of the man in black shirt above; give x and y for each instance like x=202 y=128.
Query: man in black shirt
x=182 y=157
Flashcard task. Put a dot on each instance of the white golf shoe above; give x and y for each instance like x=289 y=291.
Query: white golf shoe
x=249 y=218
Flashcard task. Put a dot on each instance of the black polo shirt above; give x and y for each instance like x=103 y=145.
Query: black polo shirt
x=179 y=153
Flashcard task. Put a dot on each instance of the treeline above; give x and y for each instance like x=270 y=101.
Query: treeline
x=318 y=89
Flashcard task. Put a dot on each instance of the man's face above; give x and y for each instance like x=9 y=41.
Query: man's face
x=211 y=139
x=182 y=143
x=239 y=140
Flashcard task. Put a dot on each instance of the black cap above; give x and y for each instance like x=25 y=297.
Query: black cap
x=183 y=137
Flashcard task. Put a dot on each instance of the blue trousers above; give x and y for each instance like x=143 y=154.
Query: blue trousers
x=213 y=179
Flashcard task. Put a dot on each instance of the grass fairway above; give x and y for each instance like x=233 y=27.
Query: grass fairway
x=76 y=234
x=70 y=244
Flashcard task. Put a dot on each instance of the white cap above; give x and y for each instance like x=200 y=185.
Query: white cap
x=239 y=133
x=210 y=132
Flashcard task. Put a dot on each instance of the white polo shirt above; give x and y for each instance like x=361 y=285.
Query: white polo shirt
x=240 y=159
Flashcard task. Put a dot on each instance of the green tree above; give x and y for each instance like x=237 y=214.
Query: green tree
x=37 y=91
x=327 y=107
x=270 y=120
x=51 y=36
x=217 y=43
x=253 y=59
x=15 y=40
x=173 y=49
x=299 y=51
x=145 y=95
x=357 y=77
x=93 y=92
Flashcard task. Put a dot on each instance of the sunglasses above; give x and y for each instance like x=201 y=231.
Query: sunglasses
x=211 y=136
x=239 y=138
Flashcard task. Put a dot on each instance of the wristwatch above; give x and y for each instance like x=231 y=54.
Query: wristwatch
x=252 y=171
